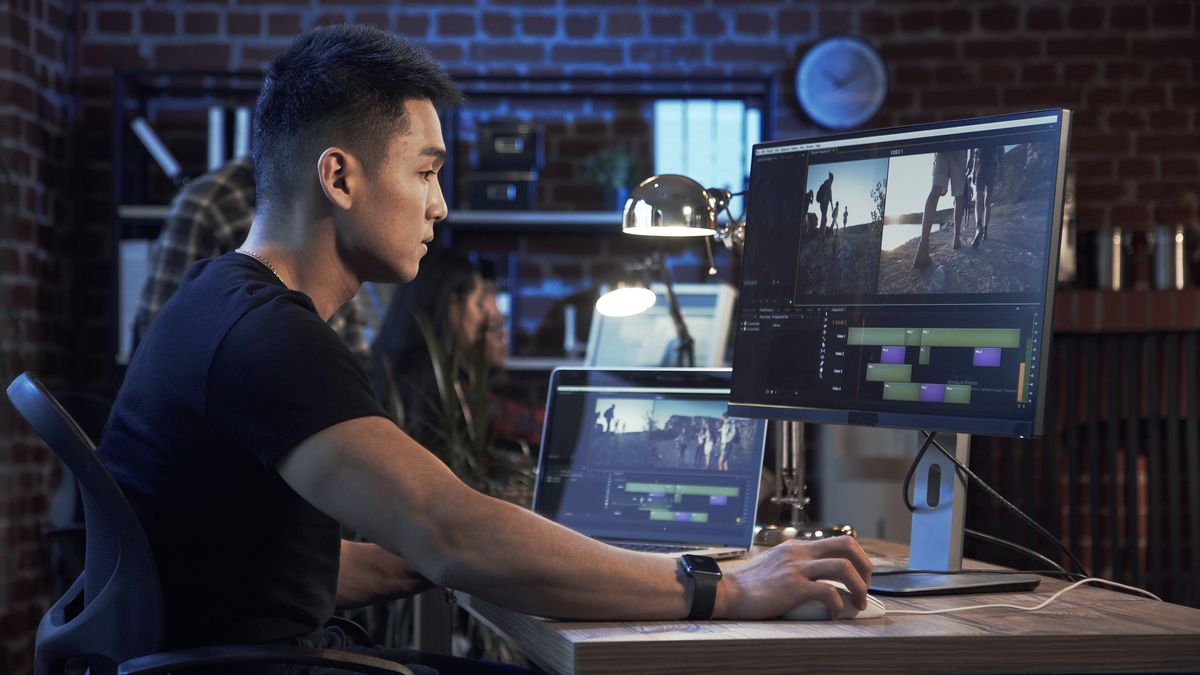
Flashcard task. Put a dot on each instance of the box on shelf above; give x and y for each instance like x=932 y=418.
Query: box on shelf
x=510 y=146
x=502 y=190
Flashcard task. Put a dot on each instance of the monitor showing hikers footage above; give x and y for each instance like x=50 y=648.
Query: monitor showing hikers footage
x=903 y=277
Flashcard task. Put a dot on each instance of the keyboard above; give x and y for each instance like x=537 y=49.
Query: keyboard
x=656 y=548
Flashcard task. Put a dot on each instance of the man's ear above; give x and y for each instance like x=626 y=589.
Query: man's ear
x=336 y=173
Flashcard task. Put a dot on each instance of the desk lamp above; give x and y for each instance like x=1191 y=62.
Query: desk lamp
x=671 y=205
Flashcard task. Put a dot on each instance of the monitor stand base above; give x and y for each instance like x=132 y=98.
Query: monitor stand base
x=773 y=535
x=951 y=583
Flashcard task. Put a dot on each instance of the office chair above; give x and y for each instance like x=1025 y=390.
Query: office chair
x=111 y=617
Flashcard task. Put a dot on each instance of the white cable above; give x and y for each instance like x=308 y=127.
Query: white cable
x=1049 y=600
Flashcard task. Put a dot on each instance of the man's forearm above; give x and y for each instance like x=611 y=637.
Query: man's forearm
x=370 y=476
x=368 y=574
x=553 y=571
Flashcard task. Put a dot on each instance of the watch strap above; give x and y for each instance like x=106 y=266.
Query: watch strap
x=704 y=591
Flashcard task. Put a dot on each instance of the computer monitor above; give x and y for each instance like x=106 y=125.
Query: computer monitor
x=862 y=302
x=649 y=339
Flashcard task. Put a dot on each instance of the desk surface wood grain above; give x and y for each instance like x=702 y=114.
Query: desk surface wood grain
x=1085 y=630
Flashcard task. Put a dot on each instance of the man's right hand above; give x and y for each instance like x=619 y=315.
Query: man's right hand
x=785 y=576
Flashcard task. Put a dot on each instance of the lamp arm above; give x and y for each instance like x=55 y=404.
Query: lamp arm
x=686 y=352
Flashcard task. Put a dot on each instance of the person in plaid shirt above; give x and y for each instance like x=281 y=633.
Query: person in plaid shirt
x=210 y=217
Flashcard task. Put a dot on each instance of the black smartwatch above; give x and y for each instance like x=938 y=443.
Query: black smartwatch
x=705 y=573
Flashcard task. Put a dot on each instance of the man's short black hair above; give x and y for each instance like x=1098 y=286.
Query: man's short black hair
x=338 y=85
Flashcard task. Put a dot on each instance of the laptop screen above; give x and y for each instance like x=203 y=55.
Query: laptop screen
x=649 y=455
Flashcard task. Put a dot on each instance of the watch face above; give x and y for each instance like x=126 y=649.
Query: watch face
x=841 y=82
x=699 y=564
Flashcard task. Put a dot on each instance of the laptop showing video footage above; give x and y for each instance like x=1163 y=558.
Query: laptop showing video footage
x=648 y=459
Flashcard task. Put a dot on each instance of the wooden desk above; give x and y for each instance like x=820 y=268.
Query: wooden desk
x=1088 y=629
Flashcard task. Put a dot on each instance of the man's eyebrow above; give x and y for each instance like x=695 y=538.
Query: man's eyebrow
x=433 y=151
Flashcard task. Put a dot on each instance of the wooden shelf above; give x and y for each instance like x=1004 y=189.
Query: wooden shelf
x=1080 y=311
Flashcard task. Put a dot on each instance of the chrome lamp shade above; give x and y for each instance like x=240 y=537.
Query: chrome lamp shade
x=671 y=205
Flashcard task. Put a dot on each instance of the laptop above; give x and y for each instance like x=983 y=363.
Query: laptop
x=647 y=459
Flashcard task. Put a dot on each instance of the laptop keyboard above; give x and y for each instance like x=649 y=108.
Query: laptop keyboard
x=657 y=548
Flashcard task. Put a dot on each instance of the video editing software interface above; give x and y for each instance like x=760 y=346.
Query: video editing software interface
x=632 y=454
x=901 y=277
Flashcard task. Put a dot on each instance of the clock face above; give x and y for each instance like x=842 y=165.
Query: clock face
x=841 y=82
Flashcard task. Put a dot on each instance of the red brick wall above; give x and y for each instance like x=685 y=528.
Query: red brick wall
x=1128 y=67
x=34 y=121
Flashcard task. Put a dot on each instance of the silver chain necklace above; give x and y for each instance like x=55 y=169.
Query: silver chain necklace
x=262 y=260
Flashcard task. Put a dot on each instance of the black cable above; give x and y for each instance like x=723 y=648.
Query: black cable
x=1070 y=576
x=1004 y=502
x=912 y=469
x=1022 y=549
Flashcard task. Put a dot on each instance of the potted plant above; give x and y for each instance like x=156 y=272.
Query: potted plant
x=612 y=169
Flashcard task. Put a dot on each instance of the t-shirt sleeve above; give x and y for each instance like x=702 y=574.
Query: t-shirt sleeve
x=281 y=375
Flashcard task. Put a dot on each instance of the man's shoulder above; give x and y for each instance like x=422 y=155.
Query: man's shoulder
x=232 y=283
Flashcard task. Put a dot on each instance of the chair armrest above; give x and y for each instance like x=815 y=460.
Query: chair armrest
x=166 y=662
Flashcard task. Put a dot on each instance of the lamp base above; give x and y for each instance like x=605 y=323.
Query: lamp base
x=773 y=535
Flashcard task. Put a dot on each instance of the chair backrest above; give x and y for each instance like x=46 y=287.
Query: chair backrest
x=65 y=526
x=121 y=612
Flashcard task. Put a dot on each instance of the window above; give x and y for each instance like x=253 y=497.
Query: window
x=708 y=140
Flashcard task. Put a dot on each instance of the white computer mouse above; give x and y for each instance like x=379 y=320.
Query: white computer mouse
x=815 y=610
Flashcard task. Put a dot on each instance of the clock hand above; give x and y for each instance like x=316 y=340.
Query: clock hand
x=838 y=83
x=854 y=75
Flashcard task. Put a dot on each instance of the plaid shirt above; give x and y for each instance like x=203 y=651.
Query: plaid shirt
x=211 y=216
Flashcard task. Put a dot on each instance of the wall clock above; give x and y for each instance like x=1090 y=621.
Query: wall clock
x=841 y=82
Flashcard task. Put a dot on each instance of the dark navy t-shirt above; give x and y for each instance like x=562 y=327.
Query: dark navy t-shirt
x=234 y=372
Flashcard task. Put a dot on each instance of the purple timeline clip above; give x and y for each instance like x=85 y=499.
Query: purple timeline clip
x=987 y=357
x=683 y=517
x=933 y=393
x=718 y=500
x=892 y=355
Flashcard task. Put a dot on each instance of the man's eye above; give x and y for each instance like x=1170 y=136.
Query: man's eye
x=426 y=175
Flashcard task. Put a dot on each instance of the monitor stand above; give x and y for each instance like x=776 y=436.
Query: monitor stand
x=937 y=536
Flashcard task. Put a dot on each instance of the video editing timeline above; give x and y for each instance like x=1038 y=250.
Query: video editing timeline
x=894 y=369
x=871 y=358
x=680 y=503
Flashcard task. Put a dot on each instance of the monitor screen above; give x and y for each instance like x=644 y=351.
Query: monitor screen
x=903 y=277
x=649 y=339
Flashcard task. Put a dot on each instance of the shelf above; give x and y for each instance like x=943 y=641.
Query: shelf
x=541 y=362
x=1088 y=311
x=533 y=221
x=143 y=211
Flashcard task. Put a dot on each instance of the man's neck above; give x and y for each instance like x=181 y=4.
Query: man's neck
x=305 y=257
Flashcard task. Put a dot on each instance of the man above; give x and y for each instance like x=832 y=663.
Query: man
x=209 y=217
x=948 y=168
x=246 y=431
x=824 y=198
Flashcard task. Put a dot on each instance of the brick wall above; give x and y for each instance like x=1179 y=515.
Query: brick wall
x=1128 y=67
x=34 y=121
